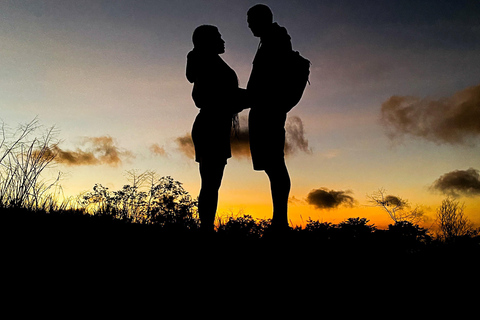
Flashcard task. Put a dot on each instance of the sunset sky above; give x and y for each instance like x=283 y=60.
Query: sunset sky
x=394 y=100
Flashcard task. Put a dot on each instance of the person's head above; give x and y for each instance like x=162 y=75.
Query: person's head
x=208 y=39
x=259 y=19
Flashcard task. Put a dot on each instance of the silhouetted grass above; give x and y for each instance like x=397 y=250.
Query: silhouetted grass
x=22 y=161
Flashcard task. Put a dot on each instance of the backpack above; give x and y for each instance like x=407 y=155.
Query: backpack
x=297 y=71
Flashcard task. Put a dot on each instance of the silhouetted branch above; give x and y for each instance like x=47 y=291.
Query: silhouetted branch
x=397 y=208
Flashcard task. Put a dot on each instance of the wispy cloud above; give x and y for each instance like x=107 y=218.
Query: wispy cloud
x=158 y=150
x=240 y=144
x=295 y=136
x=93 y=151
x=453 y=120
x=185 y=145
x=332 y=153
x=459 y=182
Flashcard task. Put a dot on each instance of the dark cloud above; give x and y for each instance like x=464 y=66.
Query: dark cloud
x=240 y=144
x=156 y=149
x=328 y=199
x=93 y=151
x=295 y=140
x=453 y=120
x=295 y=136
x=459 y=182
x=185 y=145
x=394 y=201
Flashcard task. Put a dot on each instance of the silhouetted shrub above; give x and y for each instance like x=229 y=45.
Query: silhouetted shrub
x=406 y=236
x=165 y=203
x=355 y=228
x=171 y=205
x=317 y=226
x=318 y=231
x=407 y=231
x=244 y=226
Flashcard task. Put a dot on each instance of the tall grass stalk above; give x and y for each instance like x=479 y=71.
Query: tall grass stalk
x=22 y=161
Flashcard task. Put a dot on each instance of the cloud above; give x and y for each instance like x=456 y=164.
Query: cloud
x=185 y=145
x=394 y=201
x=459 y=182
x=295 y=136
x=295 y=140
x=240 y=143
x=294 y=201
x=330 y=154
x=158 y=150
x=452 y=120
x=323 y=198
x=93 y=151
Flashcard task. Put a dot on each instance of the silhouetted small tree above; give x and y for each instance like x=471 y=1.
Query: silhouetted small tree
x=398 y=209
x=452 y=220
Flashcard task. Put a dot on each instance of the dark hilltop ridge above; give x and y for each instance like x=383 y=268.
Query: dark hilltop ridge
x=243 y=238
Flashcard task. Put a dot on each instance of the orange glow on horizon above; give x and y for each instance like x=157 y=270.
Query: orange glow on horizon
x=299 y=214
x=238 y=199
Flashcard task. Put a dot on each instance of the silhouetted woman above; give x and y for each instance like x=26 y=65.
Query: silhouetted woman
x=216 y=93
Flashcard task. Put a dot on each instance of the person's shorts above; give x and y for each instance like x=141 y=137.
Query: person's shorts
x=267 y=139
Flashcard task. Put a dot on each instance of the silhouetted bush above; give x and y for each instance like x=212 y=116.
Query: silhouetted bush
x=407 y=231
x=166 y=203
x=315 y=226
x=243 y=226
x=355 y=229
x=317 y=231
x=404 y=236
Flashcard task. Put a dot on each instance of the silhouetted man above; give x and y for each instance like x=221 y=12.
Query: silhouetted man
x=269 y=111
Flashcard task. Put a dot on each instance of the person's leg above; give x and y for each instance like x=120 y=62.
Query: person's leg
x=280 y=187
x=211 y=175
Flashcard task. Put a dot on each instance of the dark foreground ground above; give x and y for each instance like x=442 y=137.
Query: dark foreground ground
x=80 y=252
x=75 y=234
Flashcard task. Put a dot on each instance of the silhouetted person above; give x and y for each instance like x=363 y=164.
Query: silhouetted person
x=216 y=93
x=268 y=108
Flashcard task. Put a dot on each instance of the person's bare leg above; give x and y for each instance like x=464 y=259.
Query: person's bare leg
x=211 y=175
x=280 y=186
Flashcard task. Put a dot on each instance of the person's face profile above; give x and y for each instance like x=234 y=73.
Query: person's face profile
x=253 y=26
x=257 y=25
x=219 y=43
